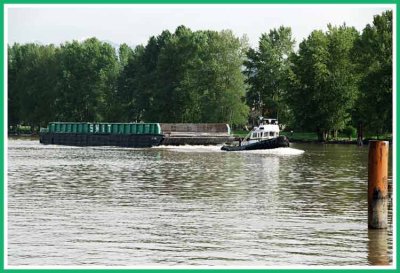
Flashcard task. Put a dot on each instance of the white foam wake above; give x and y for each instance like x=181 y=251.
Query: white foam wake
x=277 y=151
x=217 y=148
x=191 y=148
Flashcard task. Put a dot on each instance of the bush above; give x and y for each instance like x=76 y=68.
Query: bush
x=349 y=131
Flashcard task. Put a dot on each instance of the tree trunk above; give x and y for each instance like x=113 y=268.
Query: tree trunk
x=319 y=135
x=322 y=135
x=360 y=134
x=325 y=135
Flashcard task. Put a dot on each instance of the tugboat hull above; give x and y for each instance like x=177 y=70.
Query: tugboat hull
x=278 y=142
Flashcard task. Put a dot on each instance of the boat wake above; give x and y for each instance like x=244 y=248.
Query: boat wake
x=277 y=151
x=217 y=149
x=191 y=148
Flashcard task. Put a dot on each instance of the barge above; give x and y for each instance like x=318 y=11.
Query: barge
x=135 y=134
x=196 y=133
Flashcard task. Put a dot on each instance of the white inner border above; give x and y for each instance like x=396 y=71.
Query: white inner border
x=194 y=6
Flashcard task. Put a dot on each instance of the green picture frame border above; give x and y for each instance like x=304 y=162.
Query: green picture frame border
x=305 y=2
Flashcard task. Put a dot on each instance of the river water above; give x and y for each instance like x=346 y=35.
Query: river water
x=191 y=206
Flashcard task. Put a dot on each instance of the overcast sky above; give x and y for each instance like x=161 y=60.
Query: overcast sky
x=134 y=24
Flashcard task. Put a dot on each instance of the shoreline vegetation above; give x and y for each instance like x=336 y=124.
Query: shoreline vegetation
x=294 y=137
x=310 y=137
x=337 y=84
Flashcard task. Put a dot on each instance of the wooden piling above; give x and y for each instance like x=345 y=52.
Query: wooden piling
x=377 y=184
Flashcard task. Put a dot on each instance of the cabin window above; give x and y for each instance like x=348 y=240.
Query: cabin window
x=271 y=134
x=265 y=134
x=254 y=135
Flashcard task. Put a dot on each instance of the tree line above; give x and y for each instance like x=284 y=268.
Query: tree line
x=336 y=79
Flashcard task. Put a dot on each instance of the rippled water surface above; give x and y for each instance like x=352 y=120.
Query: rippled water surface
x=191 y=206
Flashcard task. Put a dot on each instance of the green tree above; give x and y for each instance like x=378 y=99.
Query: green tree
x=138 y=80
x=219 y=78
x=373 y=55
x=13 y=66
x=32 y=84
x=125 y=53
x=310 y=73
x=171 y=101
x=118 y=100
x=200 y=77
x=87 y=80
x=324 y=87
x=186 y=77
x=268 y=73
x=342 y=83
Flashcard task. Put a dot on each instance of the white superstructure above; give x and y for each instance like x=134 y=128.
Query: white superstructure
x=267 y=129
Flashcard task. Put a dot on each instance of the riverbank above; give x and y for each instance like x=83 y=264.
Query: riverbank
x=300 y=137
x=310 y=137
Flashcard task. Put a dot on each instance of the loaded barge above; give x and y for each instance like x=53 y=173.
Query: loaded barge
x=102 y=134
x=196 y=133
x=138 y=135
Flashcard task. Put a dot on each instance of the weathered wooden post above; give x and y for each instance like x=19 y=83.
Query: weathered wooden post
x=377 y=184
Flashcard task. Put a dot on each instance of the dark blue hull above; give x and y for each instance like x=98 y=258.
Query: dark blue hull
x=121 y=140
x=278 y=142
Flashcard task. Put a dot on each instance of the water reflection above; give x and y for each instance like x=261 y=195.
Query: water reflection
x=188 y=206
x=378 y=247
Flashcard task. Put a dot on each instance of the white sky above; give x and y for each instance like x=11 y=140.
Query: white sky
x=134 y=24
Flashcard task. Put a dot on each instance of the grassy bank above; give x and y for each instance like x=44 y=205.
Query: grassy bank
x=312 y=136
x=301 y=136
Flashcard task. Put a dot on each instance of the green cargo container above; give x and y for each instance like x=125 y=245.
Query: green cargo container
x=114 y=128
x=104 y=128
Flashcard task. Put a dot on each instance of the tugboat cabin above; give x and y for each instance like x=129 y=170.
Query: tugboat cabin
x=267 y=129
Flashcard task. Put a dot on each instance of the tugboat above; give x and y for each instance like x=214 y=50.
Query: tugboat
x=264 y=136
